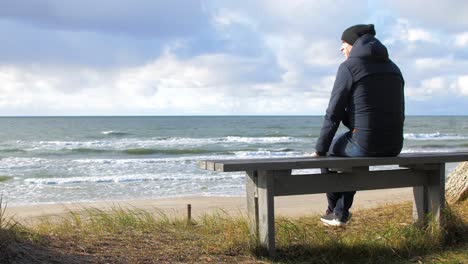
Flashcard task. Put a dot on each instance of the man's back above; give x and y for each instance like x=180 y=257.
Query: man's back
x=375 y=109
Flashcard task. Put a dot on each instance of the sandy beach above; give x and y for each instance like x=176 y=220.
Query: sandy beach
x=293 y=206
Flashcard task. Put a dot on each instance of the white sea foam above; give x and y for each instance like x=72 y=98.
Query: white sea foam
x=266 y=154
x=257 y=140
x=152 y=160
x=14 y=162
x=114 y=133
x=157 y=142
x=434 y=136
x=109 y=132
x=131 y=178
x=429 y=150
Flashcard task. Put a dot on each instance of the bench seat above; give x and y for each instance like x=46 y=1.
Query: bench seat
x=270 y=177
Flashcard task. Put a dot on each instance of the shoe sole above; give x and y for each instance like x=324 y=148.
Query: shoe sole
x=337 y=226
x=334 y=224
x=325 y=223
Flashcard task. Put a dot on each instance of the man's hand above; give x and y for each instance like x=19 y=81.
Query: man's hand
x=315 y=154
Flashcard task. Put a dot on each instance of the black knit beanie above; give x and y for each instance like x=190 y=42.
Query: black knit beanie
x=351 y=34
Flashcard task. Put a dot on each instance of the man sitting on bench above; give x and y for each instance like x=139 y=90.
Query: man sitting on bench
x=368 y=97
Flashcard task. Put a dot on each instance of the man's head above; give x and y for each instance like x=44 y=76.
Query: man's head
x=351 y=34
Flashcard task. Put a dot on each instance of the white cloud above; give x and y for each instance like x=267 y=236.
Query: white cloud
x=323 y=53
x=461 y=40
x=315 y=19
x=428 y=89
x=256 y=57
x=404 y=31
x=305 y=62
x=225 y=17
x=208 y=84
x=462 y=84
x=418 y=34
x=433 y=85
x=433 y=63
x=447 y=15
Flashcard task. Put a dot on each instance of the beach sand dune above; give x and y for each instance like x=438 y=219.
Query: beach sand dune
x=293 y=206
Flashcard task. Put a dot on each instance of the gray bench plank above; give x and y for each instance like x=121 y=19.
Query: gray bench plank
x=327 y=162
x=343 y=182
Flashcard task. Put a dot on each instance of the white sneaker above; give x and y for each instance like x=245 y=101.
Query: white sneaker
x=333 y=220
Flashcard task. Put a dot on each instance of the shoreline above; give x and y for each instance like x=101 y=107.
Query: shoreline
x=289 y=206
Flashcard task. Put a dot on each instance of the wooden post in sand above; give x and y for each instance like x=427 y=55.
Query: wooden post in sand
x=189 y=213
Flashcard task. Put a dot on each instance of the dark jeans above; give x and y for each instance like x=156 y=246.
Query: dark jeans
x=340 y=202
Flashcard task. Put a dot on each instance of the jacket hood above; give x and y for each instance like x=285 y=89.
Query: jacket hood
x=370 y=48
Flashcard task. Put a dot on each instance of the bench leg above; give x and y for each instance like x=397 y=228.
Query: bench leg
x=266 y=214
x=436 y=193
x=251 y=180
x=430 y=199
x=419 y=203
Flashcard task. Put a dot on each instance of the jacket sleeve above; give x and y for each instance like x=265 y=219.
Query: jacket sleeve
x=336 y=110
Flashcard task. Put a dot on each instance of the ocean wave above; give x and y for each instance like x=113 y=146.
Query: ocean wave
x=122 y=144
x=130 y=151
x=276 y=135
x=12 y=150
x=427 y=150
x=152 y=160
x=20 y=162
x=35 y=162
x=268 y=153
x=128 y=178
x=175 y=151
x=444 y=146
x=434 y=136
x=114 y=133
x=149 y=151
x=257 y=140
x=83 y=151
x=435 y=148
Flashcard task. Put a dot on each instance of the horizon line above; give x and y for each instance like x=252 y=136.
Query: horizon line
x=228 y=115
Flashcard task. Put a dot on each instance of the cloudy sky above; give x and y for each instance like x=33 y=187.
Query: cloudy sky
x=194 y=57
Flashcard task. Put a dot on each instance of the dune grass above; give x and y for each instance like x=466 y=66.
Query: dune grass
x=380 y=235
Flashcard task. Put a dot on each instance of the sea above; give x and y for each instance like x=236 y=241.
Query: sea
x=49 y=160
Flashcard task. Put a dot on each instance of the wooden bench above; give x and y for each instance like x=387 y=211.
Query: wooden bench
x=267 y=178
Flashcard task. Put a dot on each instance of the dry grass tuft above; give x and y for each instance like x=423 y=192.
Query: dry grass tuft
x=380 y=235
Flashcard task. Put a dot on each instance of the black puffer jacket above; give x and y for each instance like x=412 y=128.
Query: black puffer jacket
x=368 y=97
